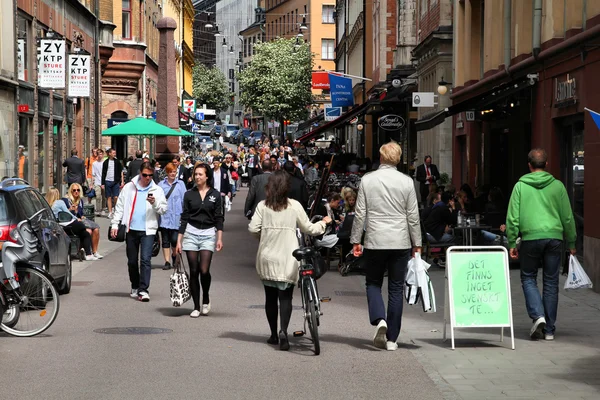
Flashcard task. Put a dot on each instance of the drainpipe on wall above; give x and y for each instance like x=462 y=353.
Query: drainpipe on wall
x=507 y=33
x=584 y=15
x=537 y=27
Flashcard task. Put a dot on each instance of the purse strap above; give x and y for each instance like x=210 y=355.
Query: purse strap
x=171 y=190
x=132 y=208
x=180 y=268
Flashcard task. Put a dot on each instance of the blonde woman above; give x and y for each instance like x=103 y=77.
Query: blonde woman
x=74 y=202
x=74 y=227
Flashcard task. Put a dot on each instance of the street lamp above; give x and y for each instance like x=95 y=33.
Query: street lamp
x=443 y=86
x=224 y=43
x=231 y=50
x=300 y=34
x=208 y=25
x=303 y=26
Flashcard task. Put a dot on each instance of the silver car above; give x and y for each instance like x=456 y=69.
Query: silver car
x=228 y=131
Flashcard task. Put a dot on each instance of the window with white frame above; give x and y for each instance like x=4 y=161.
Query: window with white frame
x=327 y=49
x=328 y=10
x=424 y=7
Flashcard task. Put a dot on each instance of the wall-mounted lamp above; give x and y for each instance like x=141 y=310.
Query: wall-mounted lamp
x=303 y=26
x=443 y=86
x=230 y=49
x=224 y=43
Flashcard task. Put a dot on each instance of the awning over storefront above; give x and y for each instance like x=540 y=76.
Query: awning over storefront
x=477 y=103
x=350 y=114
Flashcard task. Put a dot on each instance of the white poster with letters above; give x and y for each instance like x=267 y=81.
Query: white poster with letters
x=79 y=75
x=52 y=64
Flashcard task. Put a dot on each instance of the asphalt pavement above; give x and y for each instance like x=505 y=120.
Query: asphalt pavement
x=106 y=345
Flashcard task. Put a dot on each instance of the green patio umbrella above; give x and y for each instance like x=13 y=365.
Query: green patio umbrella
x=143 y=127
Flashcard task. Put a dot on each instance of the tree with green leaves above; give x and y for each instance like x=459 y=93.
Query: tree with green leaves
x=210 y=87
x=277 y=83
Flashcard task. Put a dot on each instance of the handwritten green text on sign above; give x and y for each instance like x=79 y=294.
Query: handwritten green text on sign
x=479 y=289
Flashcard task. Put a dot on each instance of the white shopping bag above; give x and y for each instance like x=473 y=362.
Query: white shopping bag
x=577 y=277
x=418 y=285
x=227 y=204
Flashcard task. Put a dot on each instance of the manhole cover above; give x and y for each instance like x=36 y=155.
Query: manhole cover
x=133 y=331
x=81 y=283
x=349 y=293
x=262 y=307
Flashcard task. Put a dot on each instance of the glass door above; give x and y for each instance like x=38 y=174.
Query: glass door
x=573 y=168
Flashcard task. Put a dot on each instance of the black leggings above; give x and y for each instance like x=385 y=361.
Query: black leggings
x=199 y=262
x=77 y=228
x=272 y=294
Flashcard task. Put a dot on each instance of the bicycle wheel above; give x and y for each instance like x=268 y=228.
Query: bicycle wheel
x=311 y=318
x=39 y=307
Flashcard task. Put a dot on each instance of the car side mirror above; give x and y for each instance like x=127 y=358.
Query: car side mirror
x=64 y=216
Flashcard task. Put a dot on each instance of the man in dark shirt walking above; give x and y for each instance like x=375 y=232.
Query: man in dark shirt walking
x=75 y=169
x=257 y=191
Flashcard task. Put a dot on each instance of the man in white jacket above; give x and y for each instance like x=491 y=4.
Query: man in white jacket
x=140 y=203
x=388 y=213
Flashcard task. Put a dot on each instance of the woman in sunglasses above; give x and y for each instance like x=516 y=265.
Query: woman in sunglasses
x=74 y=202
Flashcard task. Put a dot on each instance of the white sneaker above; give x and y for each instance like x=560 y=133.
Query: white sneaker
x=548 y=336
x=391 y=346
x=195 y=314
x=537 y=328
x=205 y=309
x=144 y=297
x=134 y=293
x=379 y=340
x=98 y=256
x=91 y=257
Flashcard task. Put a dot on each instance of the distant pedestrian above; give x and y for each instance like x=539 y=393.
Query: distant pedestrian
x=133 y=167
x=97 y=181
x=75 y=169
x=540 y=210
x=258 y=189
x=200 y=234
x=112 y=180
x=253 y=161
x=386 y=195
x=427 y=174
x=275 y=222
x=169 y=222
x=138 y=208
x=89 y=171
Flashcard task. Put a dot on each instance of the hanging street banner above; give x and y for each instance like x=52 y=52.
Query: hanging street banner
x=341 y=91
x=320 y=80
x=79 y=75
x=595 y=117
x=21 y=59
x=52 y=64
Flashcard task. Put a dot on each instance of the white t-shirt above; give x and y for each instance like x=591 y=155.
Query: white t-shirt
x=97 y=172
x=110 y=172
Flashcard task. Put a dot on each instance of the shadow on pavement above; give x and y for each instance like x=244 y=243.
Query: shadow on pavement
x=187 y=309
x=112 y=294
x=583 y=370
x=468 y=343
x=246 y=337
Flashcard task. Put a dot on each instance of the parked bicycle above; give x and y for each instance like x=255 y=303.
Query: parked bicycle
x=311 y=302
x=29 y=301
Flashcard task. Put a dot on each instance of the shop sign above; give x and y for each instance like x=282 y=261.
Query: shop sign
x=332 y=113
x=320 y=80
x=341 y=91
x=391 y=122
x=79 y=75
x=23 y=108
x=115 y=121
x=189 y=106
x=565 y=92
x=21 y=59
x=52 y=64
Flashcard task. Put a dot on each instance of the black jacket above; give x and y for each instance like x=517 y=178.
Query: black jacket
x=183 y=174
x=118 y=170
x=134 y=169
x=202 y=214
x=256 y=194
x=75 y=170
x=298 y=191
x=439 y=217
x=223 y=174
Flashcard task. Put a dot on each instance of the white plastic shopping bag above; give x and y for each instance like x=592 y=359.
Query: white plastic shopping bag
x=577 y=277
x=418 y=285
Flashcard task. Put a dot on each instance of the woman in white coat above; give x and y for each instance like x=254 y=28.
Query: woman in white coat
x=274 y=222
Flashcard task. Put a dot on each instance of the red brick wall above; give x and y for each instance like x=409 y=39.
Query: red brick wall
x=428 y=22
x=391 y=25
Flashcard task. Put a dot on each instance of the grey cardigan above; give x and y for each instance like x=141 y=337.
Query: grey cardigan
x=387 y=210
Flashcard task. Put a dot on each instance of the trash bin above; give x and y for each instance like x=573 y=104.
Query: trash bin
x=89 y=212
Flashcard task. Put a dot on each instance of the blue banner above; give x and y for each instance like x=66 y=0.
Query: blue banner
x=595 y=117
x=341 y=91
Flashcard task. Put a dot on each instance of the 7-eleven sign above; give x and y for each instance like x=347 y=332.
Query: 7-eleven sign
x=189 y=106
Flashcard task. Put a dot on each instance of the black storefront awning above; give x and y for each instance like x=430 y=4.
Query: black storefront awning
x=347 y=116
x=477 y=103
x=308 y=123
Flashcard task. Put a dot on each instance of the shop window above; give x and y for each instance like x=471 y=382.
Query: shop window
x=573 y=173
x=327 y=49
x=22 y=162
x=126 y=19
x=328 y=14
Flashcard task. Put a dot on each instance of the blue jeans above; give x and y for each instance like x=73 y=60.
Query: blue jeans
x=139 y=271
x=533 y=254
x=395 y=262
x=446 y=238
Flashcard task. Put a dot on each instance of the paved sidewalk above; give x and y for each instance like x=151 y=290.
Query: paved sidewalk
x=482 y=367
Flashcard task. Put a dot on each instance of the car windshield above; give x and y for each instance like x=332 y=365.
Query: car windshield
x=232 y=127
x=5 y=208
x=218 y=128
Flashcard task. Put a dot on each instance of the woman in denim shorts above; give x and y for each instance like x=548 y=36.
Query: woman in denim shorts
x=200 y=233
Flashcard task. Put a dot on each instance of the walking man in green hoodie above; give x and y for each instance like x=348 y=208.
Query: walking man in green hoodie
x=540 y=210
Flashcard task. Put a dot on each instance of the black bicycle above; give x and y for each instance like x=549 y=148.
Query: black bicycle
x=311 y=302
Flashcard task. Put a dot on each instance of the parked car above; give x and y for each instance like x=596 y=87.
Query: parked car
x=257 y=135
x=215 y=131
x=205 y=142
x=20 y=201
x=229 y=130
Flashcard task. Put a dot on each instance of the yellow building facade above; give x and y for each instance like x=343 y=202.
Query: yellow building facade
x=182 y=11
